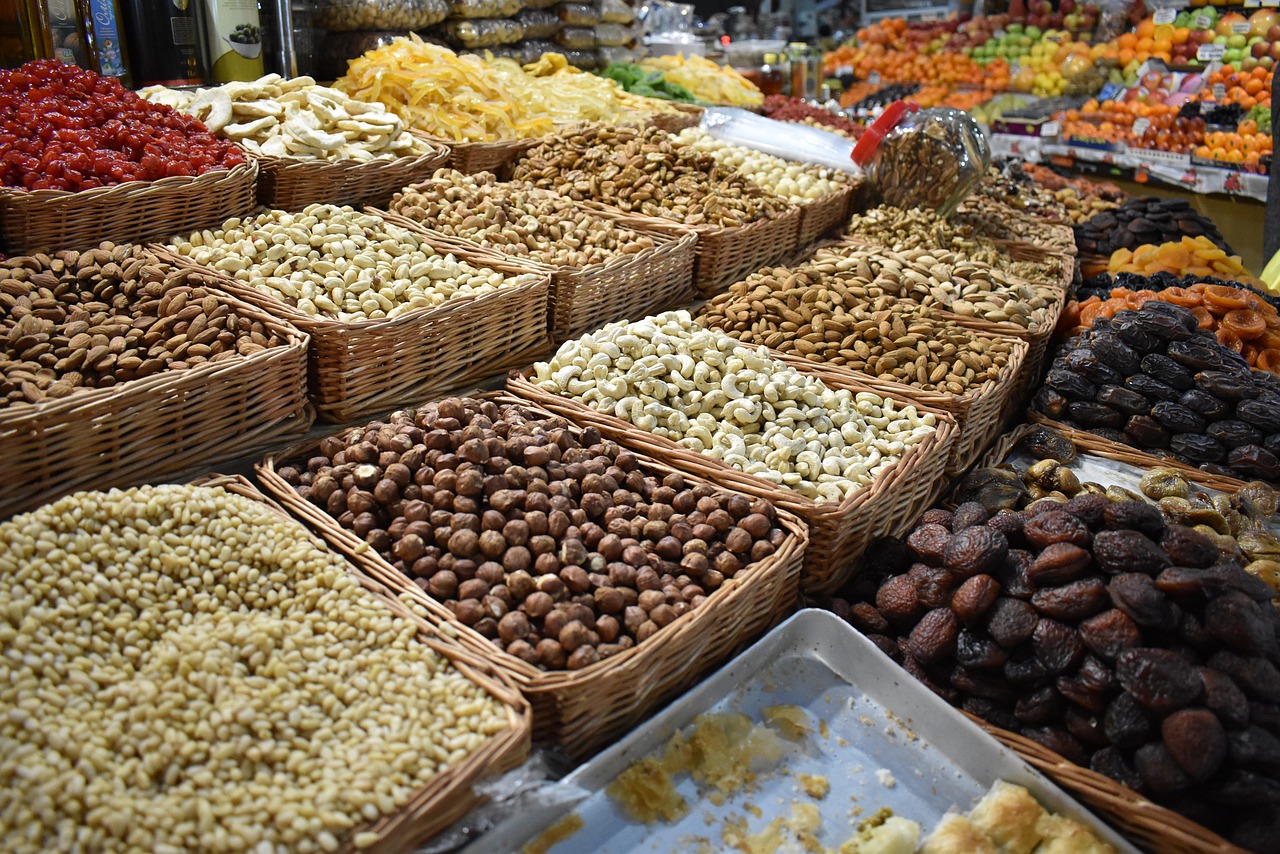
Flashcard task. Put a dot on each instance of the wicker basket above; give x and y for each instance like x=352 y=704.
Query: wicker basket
x=472 y=157
x=838 y=532
x=586 y=709
x=1145 y=823
x=1053 y=237
x=726 y=255
x=148 y=428
x=289 y=184
x=585 y=298
x=450 y=794
x=824 y=216
x=51 y=220
x=369 y=366
x=1092 y=265
x=1098 y=446
x=686 y=116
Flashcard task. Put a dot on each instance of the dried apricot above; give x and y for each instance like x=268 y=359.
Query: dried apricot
x=1128 y=551
x=1058 y=564
x=1056 y=645
x=976 y=549
x=1126 y=722
x=1224 y=697
x=1011 y=622
x=1074 y=601
x=1136 y=595
x=1056 y=526
x=1196 y=741
x=1159 y=770
x=1110 y=633
x=974 y=598
x=935 y=636
x=1245 y=323
x=1159 y=679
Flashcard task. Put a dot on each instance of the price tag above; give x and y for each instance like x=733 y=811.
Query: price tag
x=1050 y=129
x=1219 y=91
x=1240 y=28
x=1252 y=4
x=844 y=71
x=1140 y=126
x=1211 y=52
x=874 y=78
x=1203 y=22
x=1015 y=68
x=1165 y=16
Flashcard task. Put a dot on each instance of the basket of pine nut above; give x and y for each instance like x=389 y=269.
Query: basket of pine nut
x=603 y=264
x=394 y=316
x=276 y=699
x=832 y=311
x=108 y=355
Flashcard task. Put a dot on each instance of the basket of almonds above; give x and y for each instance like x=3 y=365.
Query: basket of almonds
x=603 y=264
x=598 y=580
x=313 y=144
x=848 y=460
x=394 y=316
x=116 y=369
x=317 y=712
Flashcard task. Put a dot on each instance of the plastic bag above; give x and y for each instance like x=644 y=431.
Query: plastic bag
x=538 y=23
x=539 y=4
x=616 y=12
x=610 y=55
x=401 y=15
x=576 y=38
x=788 y=140
x=613 y=35
x=578 y=14
x=339 y=48
x=481 y=32
x=532 y=50
x=587 y=60
x=485 y=8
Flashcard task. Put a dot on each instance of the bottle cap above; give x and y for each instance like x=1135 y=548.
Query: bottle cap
x=879 y=129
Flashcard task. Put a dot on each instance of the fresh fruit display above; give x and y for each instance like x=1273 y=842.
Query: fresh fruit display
x=1119 y=640
x=1153 y=379
x=787 y=109
x=1166 y=127
x=1245 y=147
x=64 y=128
x=884 y=96
x=1245 y=88
x=1142 y=220
x=1102 y=284
x=1190 y=256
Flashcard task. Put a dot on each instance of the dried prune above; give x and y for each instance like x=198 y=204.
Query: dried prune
x=1135 y=515
x=1254 y=747
x=1136 y=595
x=1177 y=418
x=866 y=619
x=1088 y=508
x=1050 y=401
x=934 y=585
x=1188 y=547
x=1255 y=675
x=897 y=600
x=1240 y=623
x=1145 y=432
x=1197 y=354
x=1089 y=414
x=1056 y=526
x=1086 y=363
x=1124 y=400
x=1056 y=645
x=1011 y=622
x=1128 y=551
x=1058 y=564
x=1204 y=404
x=1013 y=574
x=1074 y=601
x=1126 y=722
x=1260 y=413
x=974 y=598
x=1039 y=707
x=1159 y=770
x=1224 y=697
x=1045 y=443
x=996 y=714
x=1196 y=741
x=1227 y=386
x=1059 y=741
x=1167 y=371
x=929 y=542
x=1110 y=633
x=980 y=653
x=977 y=683
x=1197 y=447
x=1159 y=679
x=967 y=515
x=974 y=550
x=1071 y=384
x=1026 y=670
x=1114 y=352
x=934 y=637
x=1110 y=762
x=1254 y=461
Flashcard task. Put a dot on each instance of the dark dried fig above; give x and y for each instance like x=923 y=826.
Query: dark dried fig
x=1011 y=622
x=974 y=550
x=1084 y=726
x=1013 y=574
x=1056 y=526
x=1196 y=741
x=1074 y=601
x=1128 y=551
x=935 y=636
x=1159 y=679
x=1237 y=787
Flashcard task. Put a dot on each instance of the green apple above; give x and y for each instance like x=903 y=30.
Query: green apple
x=1236 y=41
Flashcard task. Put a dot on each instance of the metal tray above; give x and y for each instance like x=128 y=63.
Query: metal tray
x=880 y=723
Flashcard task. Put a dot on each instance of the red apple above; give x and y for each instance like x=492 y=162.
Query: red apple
x=1274 y=53
x=1273 y=34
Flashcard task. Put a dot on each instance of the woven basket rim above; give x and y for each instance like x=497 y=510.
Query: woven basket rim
x=532 y=678
x=13 y=195
x=435 y=150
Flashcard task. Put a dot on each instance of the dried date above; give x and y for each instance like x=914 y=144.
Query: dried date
x=1159 y=679
x=1071 y=385
x=1177 y=418
x=1197 y=447
x=1083 y=361
x=1227 y=386
x=1128 y=551
x=1204 y=404
x=1114 y=352
x=1151 y=388
x=1051 y=402
x=1197 y=354
x=1074 y=601
x=1093 y=415
x=1165 y=370
x=1234 y=434
x=1145 y=432
x=1262 y=414
x=1254 y=461
x=1124 y=400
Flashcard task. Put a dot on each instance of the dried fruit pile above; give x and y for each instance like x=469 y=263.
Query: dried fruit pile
x=64 y=128
x=553 y=543
x=1145 y=220
x=1190 y=256
x=787 y=109
x=1123 y=643
x=1240 y=318
x=1152 y=379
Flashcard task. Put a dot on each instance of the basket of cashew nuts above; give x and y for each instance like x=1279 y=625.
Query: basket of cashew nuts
x=833 y=311
x=313 y=144
x=851 y=462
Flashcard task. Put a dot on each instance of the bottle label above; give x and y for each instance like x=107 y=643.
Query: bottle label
x=106 y=31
